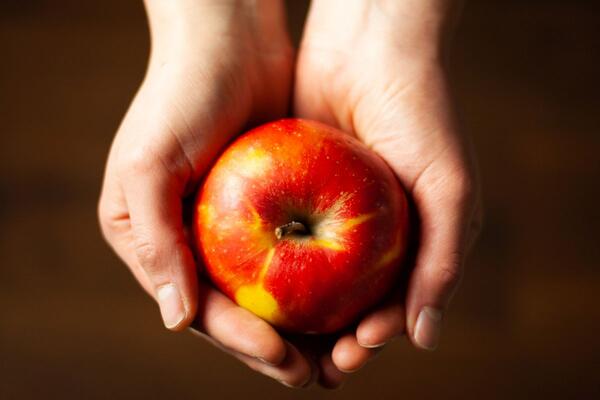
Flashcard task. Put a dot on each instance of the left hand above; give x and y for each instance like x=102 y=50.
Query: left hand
x=214 y=68
x=375 y=69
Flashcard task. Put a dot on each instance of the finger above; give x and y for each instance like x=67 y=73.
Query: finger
x=153 y=196
x=383 y=324
x=121 y=241
x=348 y=356
x=444 y=204
x=116 y=228
x=330 y=377
x=237 y=328
x=293 y=371
x=314 y=366
x=314 y=348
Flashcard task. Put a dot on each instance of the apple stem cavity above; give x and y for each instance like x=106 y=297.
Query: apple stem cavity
x=290 y=228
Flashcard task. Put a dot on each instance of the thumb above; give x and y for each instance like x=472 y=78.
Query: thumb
x=153 y=197
x=445 y=208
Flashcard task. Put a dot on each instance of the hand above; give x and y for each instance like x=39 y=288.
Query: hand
x=215 y=67
x=375 y=69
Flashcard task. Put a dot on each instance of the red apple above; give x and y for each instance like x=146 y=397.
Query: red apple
x=302 y=224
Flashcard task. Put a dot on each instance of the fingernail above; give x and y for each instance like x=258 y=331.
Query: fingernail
x=303 y=385
x=314 y=371
x=350 y=371
x=428 y=328
x=264 y=361
x=309 y=381
x=313 y=378
x=171 y=306
x=372 y=346
x=284 y=383
x=379 y=345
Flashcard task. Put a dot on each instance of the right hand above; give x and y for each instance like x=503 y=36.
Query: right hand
x=215 y=68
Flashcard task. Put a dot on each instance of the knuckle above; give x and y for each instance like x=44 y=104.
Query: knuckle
x=139 y=160
x=464 y=187
x=105 y=220
x=450 y=275
x=147 y=255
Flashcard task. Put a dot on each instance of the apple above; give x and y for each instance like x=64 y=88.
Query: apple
x=301 y=224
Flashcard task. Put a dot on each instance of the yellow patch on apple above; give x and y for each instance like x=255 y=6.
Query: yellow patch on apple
x=255 y=162
x=256 y=299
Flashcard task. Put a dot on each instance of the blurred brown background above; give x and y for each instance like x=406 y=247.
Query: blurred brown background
x=74 y=324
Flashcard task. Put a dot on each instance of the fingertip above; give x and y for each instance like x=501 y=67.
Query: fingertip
x=178 y=298
x=369 y=335
x=171 y=306
x=296 y=370
x=330 y=377
x=381 y=326
x=314 y=367
x=427 y=329
x=181 y=325
x=348 y=356
x=260 y=339
x=274 y=351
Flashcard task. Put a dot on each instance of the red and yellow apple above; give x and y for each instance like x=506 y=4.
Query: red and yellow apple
x=301 y=224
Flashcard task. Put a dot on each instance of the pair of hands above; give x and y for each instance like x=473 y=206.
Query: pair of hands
x=375 y=69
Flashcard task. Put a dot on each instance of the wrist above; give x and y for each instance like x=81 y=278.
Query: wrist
x=418 y=29
x=183 y=27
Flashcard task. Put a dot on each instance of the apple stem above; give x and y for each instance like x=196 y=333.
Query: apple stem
x=289 y=228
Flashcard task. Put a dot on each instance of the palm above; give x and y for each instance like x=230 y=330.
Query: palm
x=396 y=108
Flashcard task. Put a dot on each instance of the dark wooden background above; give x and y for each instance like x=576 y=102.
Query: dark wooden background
x=75 y=325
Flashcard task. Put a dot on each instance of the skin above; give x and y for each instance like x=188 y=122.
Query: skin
x=375 y=69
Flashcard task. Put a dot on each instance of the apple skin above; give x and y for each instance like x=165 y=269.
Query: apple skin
x=353 y=206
